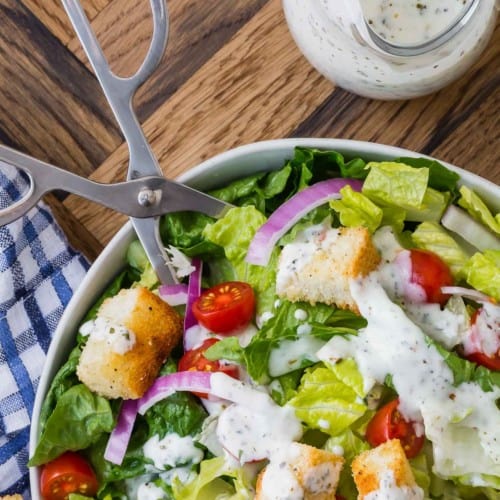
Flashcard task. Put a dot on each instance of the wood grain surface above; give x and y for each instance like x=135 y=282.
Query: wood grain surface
x=231 y=75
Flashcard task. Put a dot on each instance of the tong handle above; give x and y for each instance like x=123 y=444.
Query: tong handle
x=120 y=91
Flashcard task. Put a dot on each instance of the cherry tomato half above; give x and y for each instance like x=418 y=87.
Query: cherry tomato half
x=478 y=357
x=388 y=424
x=195 y=360
x=431 y=273
x=68 y=473
x=225 y=307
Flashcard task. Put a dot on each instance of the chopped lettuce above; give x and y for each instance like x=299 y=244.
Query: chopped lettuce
x=79 y=419
x=234 y=232
x=216 y=479
x=432 y=208
x=325 y=402
x=482 y=271
x=396 y=184
x=440 y=177
x=355 y=209
x=433 y=237
x=476 y=207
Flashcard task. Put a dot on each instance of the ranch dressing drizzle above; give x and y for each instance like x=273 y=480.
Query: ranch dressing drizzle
x=392 y=344
x=389 y=490
x=404 y=22
x=254 y=427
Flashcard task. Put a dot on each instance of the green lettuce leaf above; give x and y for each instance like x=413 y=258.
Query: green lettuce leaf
x=78 y=420
x=326 y=403
x=466 y=371
x=440 y=177
x=396 y=184
x=355 y=210
x=216 y=479
x=476 y=207
x=432 y=208
x=234 y=232
x=433 y=237
x=482 y=271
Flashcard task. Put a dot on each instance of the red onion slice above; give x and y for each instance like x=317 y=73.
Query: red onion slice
x=166 y=385
x=468 y=293
x=175 y=295
x=290 y=212
x=193 y=292
x=120 y=437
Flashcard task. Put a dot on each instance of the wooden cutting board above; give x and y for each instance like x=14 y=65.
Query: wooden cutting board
x=231 y=75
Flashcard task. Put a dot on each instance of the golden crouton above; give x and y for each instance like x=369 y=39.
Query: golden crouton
x=12 y=497
x=315 y=471
x=132 y=336
x=319 y=268
x=370 y=468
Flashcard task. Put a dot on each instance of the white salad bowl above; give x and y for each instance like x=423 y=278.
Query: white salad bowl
x=215 y=172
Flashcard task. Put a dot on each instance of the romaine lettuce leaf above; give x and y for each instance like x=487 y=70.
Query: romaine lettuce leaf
x=216 y=479
x=355 y=210
x=326 y=403
x=78 y=420
x=396 y=184
x=432 y=208
x=476 y=207
x=440 y=177
x=234 y=232
x=433 y=237
x=482 y=271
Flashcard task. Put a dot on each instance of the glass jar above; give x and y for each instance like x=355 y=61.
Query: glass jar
x=326 y=36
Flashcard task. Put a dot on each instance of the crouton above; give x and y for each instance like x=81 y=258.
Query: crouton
x=17 y=496
x=305 y=470
x=317 y=266
x=383 y=469
x=129 y=341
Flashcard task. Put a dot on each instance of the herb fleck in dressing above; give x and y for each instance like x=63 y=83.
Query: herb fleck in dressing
x=403 y=22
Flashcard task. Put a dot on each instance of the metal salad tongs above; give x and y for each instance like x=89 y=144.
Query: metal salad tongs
x=146 y=194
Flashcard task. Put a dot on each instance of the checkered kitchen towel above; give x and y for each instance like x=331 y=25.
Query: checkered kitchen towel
x=38 y=274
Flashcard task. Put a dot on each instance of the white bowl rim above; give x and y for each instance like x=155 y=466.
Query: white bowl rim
x=489 y=190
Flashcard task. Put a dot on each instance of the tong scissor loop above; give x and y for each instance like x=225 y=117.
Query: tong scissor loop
x=120 y=91
x=147 y=194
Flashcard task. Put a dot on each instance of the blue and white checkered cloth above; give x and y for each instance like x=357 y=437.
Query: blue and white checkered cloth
x=38 y=275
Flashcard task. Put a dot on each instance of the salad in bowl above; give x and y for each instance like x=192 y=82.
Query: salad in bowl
x=335 y=335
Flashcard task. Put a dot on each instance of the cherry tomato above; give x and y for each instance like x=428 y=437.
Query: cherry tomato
x=479 y=357
x=431 y=273
x=388 y=424
x=195 y=360
x=225 y=307
x=68 y=473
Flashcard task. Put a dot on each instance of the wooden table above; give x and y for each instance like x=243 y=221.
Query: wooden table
x=231 y=75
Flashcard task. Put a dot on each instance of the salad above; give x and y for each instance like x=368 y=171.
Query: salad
x=339 y=305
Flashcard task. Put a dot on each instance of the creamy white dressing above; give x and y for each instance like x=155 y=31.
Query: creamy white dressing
x=303 y=250
x=117 y=337
x=172 y=450
x=291 y=354
x=405 y=22
x=322 y=31
x=484 y=335
x=392 y=344
x=300 y=315
x=280 y=483
x=254 y=427
x=180 y=262
x=443 y=325
x=389 y=490
x=149 y=491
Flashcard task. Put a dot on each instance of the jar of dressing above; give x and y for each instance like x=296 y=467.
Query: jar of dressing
x=402 y=49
